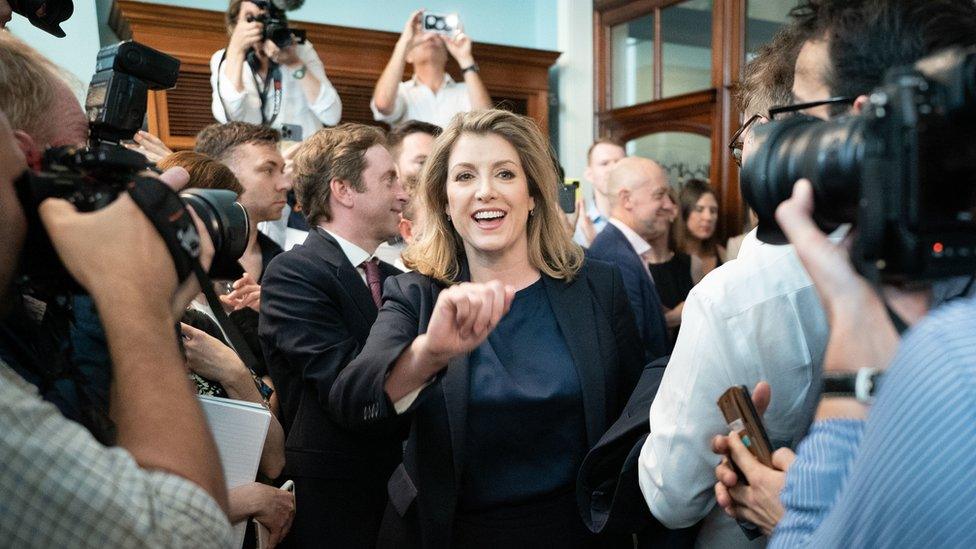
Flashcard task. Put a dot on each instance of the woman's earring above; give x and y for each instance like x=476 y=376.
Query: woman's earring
x=448 y=216
x=532 y=212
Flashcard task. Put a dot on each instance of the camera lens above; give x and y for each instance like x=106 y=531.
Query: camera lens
x=227 y=224
x=828 y=153
x=46 y=15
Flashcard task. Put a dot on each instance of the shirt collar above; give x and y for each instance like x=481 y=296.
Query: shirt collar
x=353 y=253
x=448 y=81
x=639 y=244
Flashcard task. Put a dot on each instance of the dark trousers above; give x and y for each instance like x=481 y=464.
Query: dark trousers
x=336 y=513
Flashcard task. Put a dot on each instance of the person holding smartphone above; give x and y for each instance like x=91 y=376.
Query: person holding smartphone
x=244 y=85
x=431 y=95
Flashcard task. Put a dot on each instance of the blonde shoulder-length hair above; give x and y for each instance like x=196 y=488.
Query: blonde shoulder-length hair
x=439 y=251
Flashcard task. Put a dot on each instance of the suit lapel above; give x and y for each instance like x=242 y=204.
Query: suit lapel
x=328 y=249
x=572 y=305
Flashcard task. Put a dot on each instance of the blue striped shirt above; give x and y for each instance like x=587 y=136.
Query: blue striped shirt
x=906 y=477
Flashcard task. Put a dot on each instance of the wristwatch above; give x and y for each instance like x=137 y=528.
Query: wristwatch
x=472 y=67
x=299 y=72
x=862 y=385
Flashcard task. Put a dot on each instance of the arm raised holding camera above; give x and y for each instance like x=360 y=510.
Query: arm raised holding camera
x=385 y=97
x=459 y=46
x=117 y=255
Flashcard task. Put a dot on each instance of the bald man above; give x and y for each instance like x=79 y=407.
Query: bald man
x=640 y=210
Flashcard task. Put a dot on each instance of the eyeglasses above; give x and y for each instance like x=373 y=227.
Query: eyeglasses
x=786 y=109
x=735 y=145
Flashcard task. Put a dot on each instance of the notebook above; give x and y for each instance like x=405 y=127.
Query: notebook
x=239 y=428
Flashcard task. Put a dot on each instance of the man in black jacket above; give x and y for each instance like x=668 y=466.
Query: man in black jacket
x=318 y=303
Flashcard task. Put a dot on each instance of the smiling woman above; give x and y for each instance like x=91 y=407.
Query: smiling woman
x=487 y=172
x=508 y=353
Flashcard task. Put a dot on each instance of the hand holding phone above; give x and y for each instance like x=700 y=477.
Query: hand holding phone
x=741 y=416
x=567 y=195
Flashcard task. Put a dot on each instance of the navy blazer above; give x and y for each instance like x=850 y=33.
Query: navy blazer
x=612 y=246
x=592 y=312
x=316 y=312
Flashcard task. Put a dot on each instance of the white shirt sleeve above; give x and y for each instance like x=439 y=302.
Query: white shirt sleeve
x=228 y=103
x=399 y=108
x=327 y=106
x=676 y=466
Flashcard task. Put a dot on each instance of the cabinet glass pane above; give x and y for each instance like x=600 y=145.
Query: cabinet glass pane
x=632 y=62
x=686 y=41
x=764 y=18
x=684 y=155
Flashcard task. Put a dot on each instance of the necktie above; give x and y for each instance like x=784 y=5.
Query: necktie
x=372 y=268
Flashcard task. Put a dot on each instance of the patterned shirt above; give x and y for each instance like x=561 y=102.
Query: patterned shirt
x=60 y=488
x=907 y=481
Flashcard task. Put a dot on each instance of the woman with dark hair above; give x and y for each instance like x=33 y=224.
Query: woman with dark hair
x=696 y=234
x=506 y=351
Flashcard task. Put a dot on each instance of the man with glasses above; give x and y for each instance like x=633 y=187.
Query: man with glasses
x=754 y=318
x=758 y=318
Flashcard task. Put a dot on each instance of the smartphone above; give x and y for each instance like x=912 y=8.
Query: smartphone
x=262 y=535
x=740 y=414
x=291 y=132
x=442 y=23
x=567 y=195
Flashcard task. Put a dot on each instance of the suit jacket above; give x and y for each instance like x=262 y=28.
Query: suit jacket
x=608 y=490
x=316 y=312
x=592 y=312
x=612 y=246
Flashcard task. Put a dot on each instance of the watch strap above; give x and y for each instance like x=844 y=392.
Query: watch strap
x=300 y=72
x=862 y=385
x=472 y=67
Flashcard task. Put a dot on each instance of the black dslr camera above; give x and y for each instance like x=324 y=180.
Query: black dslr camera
x=46 y=15
x=92 y=178
x=903 y=172
x=275 y=22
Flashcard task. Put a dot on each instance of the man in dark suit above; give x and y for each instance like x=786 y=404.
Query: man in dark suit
x=318 y=303
x=640 y=210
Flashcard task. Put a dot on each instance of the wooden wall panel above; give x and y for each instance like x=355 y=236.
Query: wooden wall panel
x=517 y=78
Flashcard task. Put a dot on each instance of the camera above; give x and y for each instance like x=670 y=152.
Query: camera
x=903 y=172
x=46 y=15
x=275 y=22
x=91 y=178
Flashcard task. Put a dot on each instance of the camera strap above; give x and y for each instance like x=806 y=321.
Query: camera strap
x=164 y=209
x=272 y=84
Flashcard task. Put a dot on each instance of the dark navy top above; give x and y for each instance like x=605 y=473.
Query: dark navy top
x=525 y=433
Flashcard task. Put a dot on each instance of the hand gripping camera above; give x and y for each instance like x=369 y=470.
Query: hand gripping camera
x=92 y=178
x=903 y=172
x=275 y=22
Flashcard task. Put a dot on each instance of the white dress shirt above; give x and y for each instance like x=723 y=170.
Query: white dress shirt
x=245 y=106
x=757 y=318
x=353 y=253
x=415 y=101
x=641 y=247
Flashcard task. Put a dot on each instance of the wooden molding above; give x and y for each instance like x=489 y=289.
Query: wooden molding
x=353 y=59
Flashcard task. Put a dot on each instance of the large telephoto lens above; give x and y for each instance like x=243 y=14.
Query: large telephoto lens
x=226 y=222
x=828 y=153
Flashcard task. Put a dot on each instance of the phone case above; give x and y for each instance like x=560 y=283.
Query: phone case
x=741 y=416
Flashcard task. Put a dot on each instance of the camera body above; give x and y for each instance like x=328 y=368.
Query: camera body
x=275 y=24
x=903 y=172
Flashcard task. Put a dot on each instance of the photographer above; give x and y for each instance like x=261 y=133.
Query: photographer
x=863 y=40
x=163 y=485
x=431 y=95
x=245 y=92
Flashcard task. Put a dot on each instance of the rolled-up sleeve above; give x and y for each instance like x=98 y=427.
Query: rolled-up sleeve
x=227 y=103
x=399 y=108
x=327 y=106
x=61 y=488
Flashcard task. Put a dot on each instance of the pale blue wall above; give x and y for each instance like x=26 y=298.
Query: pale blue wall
x=76 y=52
x=525 y=23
